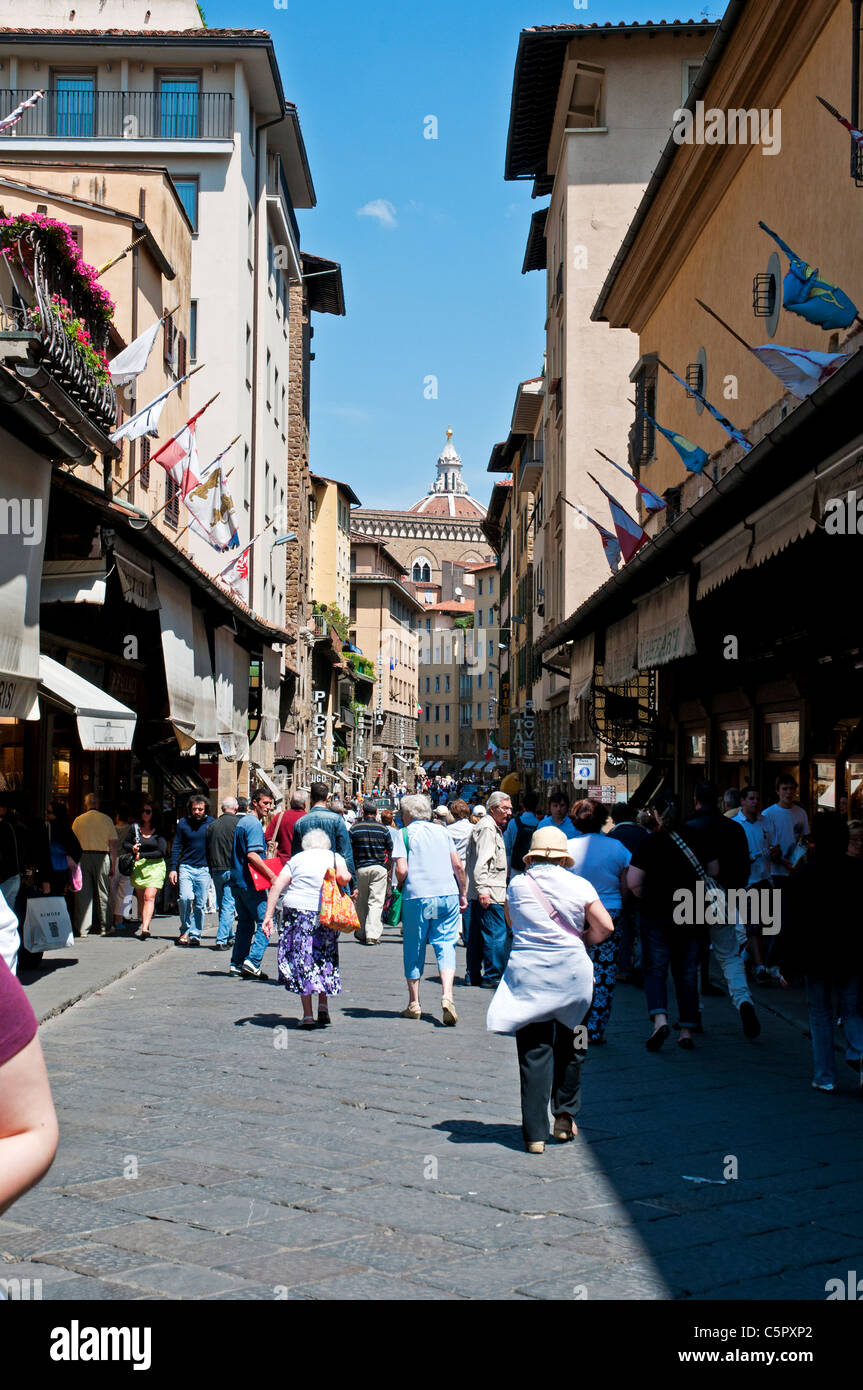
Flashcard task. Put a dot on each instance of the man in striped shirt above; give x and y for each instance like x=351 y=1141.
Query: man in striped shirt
x=372 y=848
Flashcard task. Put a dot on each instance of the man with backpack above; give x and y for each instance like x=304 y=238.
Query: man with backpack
x=519 y=832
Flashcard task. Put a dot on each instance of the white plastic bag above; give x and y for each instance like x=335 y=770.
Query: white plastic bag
x=47 y=926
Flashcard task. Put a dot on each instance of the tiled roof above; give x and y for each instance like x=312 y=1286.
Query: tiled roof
x=448 y=504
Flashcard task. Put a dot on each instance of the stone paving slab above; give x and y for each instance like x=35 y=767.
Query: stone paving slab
x=382 y=1160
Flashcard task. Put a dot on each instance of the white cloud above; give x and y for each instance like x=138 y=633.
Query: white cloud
x=381 y=210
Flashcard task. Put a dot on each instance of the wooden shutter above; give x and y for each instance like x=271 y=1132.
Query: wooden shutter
x=181 y=354
x=145 y=462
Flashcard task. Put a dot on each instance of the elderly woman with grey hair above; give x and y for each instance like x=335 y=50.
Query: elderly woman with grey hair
x=308 y=953
x=433 y=886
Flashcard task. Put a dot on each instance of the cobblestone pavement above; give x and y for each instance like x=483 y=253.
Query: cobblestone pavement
x=212 y=1150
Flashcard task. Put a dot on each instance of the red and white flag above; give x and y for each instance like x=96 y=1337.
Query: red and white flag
x=630 y=535
x=179 y=456
x=800 y=372
x=236 y=575
x=610 y=543
x=14 y=116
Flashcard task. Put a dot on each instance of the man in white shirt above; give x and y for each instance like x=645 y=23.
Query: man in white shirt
x=789 y=826
x=98 y=838
x=759 y=835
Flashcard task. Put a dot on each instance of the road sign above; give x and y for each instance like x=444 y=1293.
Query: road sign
x=583 y=768
x=547 y=770
x=594 y=793
x=609 y=796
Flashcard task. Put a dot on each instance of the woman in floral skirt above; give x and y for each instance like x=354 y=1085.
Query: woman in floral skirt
x=308 y=953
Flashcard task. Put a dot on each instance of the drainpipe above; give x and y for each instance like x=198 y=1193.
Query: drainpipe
x=255 y=315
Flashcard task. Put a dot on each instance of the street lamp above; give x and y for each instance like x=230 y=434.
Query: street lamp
x=283 y=540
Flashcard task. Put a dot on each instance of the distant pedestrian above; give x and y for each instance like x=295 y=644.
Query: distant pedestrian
x=547 y=986
x=148 y=847
x=625 y=827
x=308 y=953
x=280 y=831
x=122 y=896
x=519 y=832
x=433 y=885
x=486 y=868
x=730 y=802
x=28 y=1122
x=319 y=817
x=189 y=869
x=64 y=849
x=460 y=827
x=98 y=839
x=659 y=868
x=626 y=927
x=248 y=853
x=477 y=811
x=604 y=863
x=219 y=843
x=789 y=827
x=444 y=815
x=760 y=835
x=558 y=806
x=372 y=848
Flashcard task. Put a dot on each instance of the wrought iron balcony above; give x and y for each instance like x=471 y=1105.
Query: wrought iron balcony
x=278 y=188
x=45 y=310
x=88 y=114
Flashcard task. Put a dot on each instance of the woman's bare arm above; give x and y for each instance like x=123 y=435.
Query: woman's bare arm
x=28 y=1123
x=600 y=925
x=276 y=890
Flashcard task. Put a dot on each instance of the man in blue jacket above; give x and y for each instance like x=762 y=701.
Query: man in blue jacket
x=319 y=818
x=189 y=867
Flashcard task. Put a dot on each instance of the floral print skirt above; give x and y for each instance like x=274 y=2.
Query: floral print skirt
x=308 y=955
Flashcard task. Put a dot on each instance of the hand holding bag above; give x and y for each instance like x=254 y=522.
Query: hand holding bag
x=76 y=878
x=47 y=926
x=273 y=842
x=126 y=861
x=337 y=910
x=261 y=882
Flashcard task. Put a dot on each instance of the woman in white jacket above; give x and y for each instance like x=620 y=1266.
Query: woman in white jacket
x=547 y=987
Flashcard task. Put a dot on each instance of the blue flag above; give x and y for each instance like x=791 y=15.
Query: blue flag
x=804 y=293
x=711 y=409
x=693 y=457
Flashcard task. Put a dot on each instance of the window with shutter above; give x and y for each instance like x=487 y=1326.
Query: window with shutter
x=169 y=341
x=145 y=463
x=172 y=498
x=181 y=354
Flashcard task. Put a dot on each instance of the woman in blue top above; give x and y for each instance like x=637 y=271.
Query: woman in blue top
x=604 y=863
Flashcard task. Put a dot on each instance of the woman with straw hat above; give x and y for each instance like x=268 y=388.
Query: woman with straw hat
x=547 y=986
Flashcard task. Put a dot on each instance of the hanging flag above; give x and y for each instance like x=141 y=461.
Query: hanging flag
x=852 y=130
x=652 y=502
x=813 y=299
x=212 y=509
x=179 y=456
x=236 y=576
x=630 y=535
x=609 y=542
x=694 y=458
x=14 y=116
x=146 y=420
x=129 y=364
x=717 y=415
x=800 y=372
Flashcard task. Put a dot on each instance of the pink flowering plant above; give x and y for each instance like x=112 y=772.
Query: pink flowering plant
x=58 y=237
x=79 y=335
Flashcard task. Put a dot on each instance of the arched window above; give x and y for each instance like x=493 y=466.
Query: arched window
x=421 y=573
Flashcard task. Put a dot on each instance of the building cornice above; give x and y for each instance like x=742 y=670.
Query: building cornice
x=758 y=61
x=415 y=527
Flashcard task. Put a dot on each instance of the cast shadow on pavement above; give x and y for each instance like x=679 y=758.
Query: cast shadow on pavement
x=475 y=1132
x=41 y=972
x=267 y=1021
x=388 y=1013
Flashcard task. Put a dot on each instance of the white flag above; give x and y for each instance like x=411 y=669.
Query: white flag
x=236 y=576
x=129 y=364
x=212 y=511
x=146 y=420
x=800 y=372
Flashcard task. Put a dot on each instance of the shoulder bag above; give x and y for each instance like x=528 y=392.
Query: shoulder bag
x=550 y=908
x=715 y=892
x=392 y=913
x=273 y=842
x=126 y=861
x=337 y=909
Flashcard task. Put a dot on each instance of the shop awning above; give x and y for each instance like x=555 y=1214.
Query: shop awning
x=343 y=777
x=188 y=669
x=581 y=665
x=786 y=519
x=664 y=628
x=136 y=577
x=103 y=723
x=621 y=651
x=271 y=679
x=74 y=581
x=263 y=779
x=232 y=696
x=722 y=560
x=407 y=761
x=24 y=485
x=436 y=766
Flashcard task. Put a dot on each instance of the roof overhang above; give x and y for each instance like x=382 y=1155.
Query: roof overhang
x=322 y=282
x=536 y=84
x=527 y=411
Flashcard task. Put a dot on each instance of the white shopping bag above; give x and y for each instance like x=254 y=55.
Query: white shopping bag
x=47 y=926
x=211 y=906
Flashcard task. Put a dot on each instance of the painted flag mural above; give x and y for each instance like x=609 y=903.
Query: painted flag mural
x=720 y=419
x=631 y=537
x=651 y=500
x=814 y=299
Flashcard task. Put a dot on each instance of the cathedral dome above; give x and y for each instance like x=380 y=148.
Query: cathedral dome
x=448 y=495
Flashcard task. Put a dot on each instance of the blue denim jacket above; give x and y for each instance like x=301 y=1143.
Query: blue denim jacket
x=337 y=833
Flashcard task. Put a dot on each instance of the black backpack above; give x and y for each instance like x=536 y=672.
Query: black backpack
x=520 y=846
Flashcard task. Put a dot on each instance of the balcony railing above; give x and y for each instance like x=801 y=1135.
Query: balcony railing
x=85 y=114
x=39 y=296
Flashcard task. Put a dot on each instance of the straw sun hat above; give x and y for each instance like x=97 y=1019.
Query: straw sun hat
x=549 y=845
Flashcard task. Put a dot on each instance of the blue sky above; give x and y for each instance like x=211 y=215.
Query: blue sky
x=433 y=286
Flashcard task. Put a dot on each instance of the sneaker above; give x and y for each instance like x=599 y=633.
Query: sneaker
x=194 y=941
x=817 y=1087
x=253 y=972
x=220 y=946
x=749 y=1019
x=235 y=970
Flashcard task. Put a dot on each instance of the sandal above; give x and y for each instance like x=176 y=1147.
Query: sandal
x=655 y=1041
x=308 y=1021
x=412 y=1011
x=565 y=1128
x=450 y=1017
x=324 y=1019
